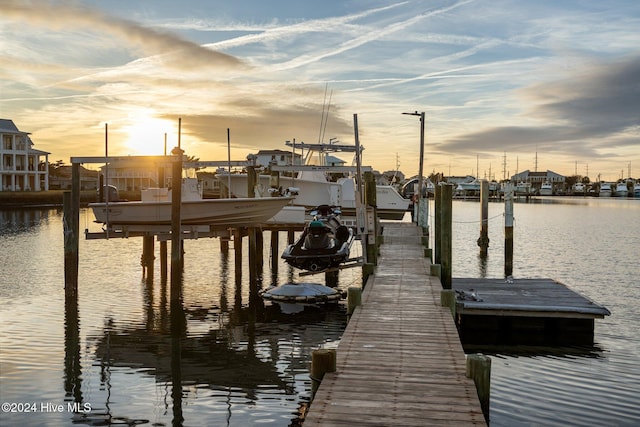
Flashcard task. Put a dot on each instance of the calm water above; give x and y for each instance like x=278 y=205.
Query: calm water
x=224 y=358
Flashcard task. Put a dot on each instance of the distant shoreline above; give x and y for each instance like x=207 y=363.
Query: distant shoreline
x=48 y=199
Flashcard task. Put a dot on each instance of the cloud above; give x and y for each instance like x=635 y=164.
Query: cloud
x=584 y=114
x=176 y=51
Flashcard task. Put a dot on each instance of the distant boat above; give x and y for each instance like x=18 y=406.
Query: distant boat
x=324 y=243
x=523 y=188
x=605 y=190
x=546 y=189
x=155 y=208
x=621 y=189
x=579 y=189
x=636 y=189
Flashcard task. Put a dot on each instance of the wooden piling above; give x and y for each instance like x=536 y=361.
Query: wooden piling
x=163 y=260
x=372 y=228
x=147 y=256
x=448 y=299
x=331 y=278
x=252 y=179
x=275 y=251
x=253 y=254
x=237 y=249
x=176 y=222
x=322 y=361
x=354 y=298
x=479 y=369
x=71 y=243
x=446 y=236
x=508 y=230
x=437 y=236
x=483 y=240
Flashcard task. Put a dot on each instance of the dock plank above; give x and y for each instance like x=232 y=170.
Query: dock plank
x=400 y=361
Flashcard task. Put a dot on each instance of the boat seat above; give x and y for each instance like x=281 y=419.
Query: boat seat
x=317 y=241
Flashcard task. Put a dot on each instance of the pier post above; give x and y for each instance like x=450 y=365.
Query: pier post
x=71 y=229
x=237 y=248
x=437 y=237
x=508 y=230
x=322 y=361
x=255 y=254
x=448 y=299
x=275 y=251
x=371 y=212
x=354 y=298
x=147 y=256
x=446 y=239
x=331 y=278
x=252 y=178
x=163 y=260
x=479 y=369
x=176 y=229
x=483 y=240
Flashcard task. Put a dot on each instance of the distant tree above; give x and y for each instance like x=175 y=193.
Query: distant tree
x=436 y=177
x=56 y=167
x=570 y=180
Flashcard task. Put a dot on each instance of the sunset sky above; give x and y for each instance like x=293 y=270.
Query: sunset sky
x=496 y=78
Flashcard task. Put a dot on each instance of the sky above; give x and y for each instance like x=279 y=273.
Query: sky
x=505 y=85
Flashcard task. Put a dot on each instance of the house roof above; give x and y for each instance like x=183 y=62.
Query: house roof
x=275 y=152
x=332 y=160
x=8 y=126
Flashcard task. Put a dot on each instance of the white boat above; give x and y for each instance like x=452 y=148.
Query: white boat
x=636 y=189
x=314 y=188
x=155 y=209
x=523 y=188
x=579 y=189
x=621 y=189
x=546 y=189
x=605 y=190
x=468 y=189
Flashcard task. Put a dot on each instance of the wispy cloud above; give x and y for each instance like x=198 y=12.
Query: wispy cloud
x=176 y=51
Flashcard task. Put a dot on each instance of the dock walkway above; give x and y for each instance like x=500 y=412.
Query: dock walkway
x=400 y=361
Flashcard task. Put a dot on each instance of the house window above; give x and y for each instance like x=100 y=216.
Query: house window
x=7 y=142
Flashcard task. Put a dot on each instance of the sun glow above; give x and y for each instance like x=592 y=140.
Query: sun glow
x=146 y=135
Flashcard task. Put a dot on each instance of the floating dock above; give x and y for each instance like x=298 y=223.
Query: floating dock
x=523 y=311
x=400 y=361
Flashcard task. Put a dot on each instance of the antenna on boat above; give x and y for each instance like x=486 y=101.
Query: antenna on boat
x=325 y=113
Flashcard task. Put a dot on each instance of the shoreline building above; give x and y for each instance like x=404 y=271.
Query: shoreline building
x=536 y=179
x=20 y=166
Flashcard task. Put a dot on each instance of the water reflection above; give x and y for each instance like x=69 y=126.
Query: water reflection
x=237 y=352
x=15 y=221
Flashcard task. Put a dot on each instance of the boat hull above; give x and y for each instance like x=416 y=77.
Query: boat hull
x=213 y=212
x=312 y=193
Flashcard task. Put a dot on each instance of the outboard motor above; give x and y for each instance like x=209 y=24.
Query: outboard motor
x=109 y=190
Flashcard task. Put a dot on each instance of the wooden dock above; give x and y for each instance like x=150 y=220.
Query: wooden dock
x=523 y=311
x=400 y=361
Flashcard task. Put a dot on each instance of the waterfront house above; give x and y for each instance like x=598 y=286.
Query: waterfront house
x=279 y=157
x=60 y=178
x=21 y=167
x=135 y=174
x=536 y=179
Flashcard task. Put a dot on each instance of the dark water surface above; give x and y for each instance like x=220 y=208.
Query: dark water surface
x=222 y=357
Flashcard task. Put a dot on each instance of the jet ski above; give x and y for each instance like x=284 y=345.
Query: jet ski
x=325 y=242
